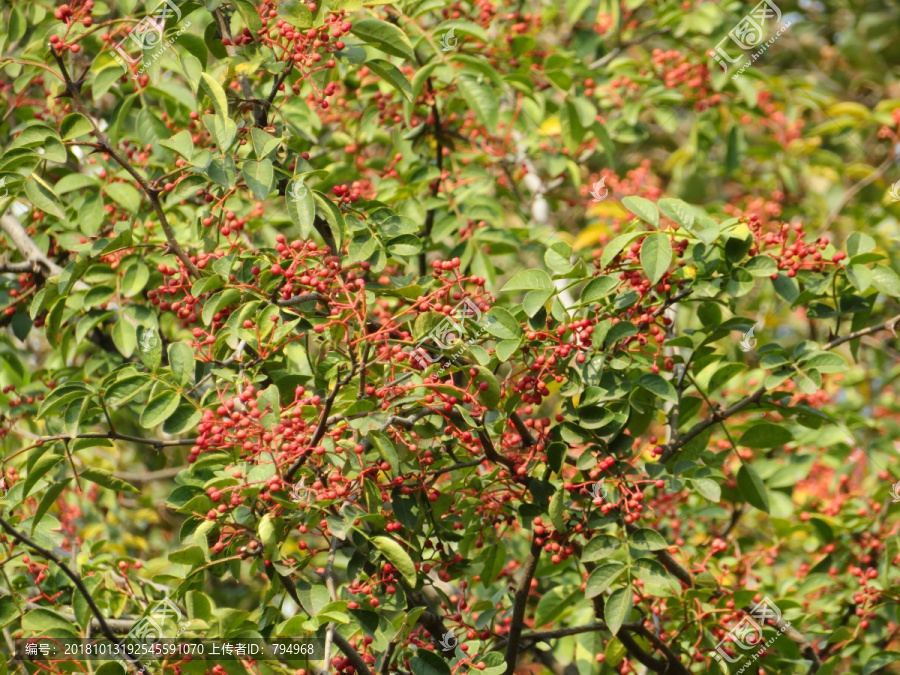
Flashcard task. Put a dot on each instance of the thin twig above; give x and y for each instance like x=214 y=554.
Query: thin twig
x=105 y=628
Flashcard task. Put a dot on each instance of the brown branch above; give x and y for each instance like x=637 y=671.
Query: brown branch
x=890 y=325
x=756 y=396
x=105 y=628
x=73 y=89
x=439 y=158
x=299 y=299
x=260 y=117
x=634 y=649
x=492 y=454
x=527 y=439
x=674 y=664
x=798 y=638
x=35 y=260
x=355 y=659
x=323 y=425
x=113 y=436
x=149 y=476
x=519 y=605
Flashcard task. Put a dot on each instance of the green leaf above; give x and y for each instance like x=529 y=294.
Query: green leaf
x=877 y=662
x=223 y=130
x=616 y=246
x=181 y=360
x=886 y=281
x=482 y=98
x=333 y=217
x=534 y=301
x=397 y=557
x=658 y=385
x=500 y=323
x=708 y=488
x=643 y=209
x=250 y=15
x=645 y=539
x=599 y=547
x=490 y=397
x=124 y=195
x=428 y=663
x=125 y=389
x=259 y=176
x=216 y=94
x=556 y=510
x=159 y=408
x=677 y=210
x=656 y=256
x=218 y=301
x=182 y=143
x=528 y=280
x=150 y=347
x=765 y=435
x=37 y=471
x=74 y=125
x=597 y=288
x=107 y=480
x=859 y=242
x=555 y=601
x=617 y=609
x=43 y=197
x=752 y=487
x=48 y=500
x=8 y=611
x=263 y=142
x=301 y=206
x=388 y=72
x=602 y=578
x=405 y=244
x=384 y=36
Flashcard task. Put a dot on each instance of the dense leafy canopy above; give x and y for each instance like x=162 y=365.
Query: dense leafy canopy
x=463 y=337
